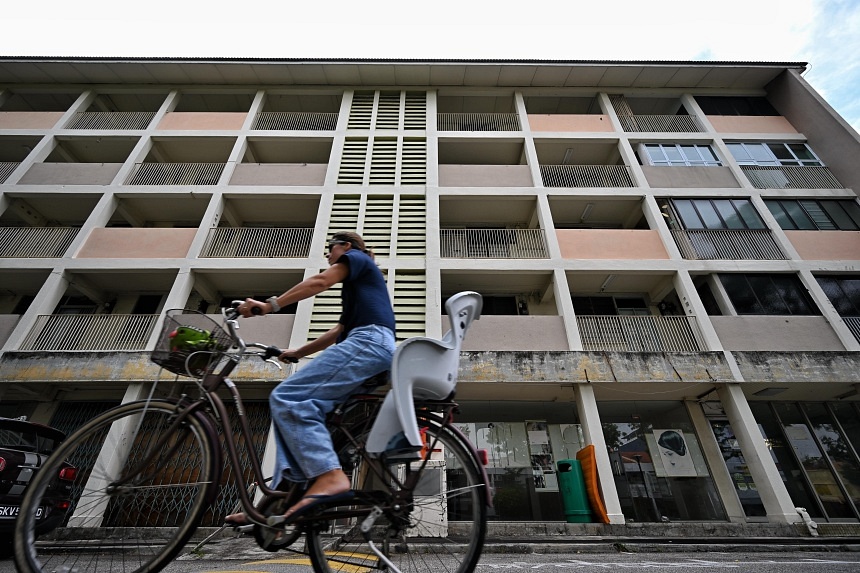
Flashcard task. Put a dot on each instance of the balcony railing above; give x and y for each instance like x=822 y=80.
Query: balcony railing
x=853 y=323
x=111 y=120
x=99 y=332
x=258 y=242
x=176 y=174
x=586 y=176
x=493 y=243
x=6 y=169
x=35 y=242
x=639 y=333
x=294 y=120
x=660 y=123
x=727 y=244
x=478 y=122
x=790 y=177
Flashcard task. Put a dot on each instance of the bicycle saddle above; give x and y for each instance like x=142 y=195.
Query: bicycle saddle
x=423 y=368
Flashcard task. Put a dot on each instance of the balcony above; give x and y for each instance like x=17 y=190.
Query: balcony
x=640 y=333
x=727 y=244
x=483 y=163
x=269 y=242
x=853 y=324
x=574 y=123
x=611 y=244
x=111 y=120
x=790 y=177
x=6 y=169
x=176 y=173
x=493 y=244
x=293 y=161
x=81 y=160
x=586 y=176
x=29 y=119
x=295 y=121
x=137 y=243
x=93 y=332
x=751 y=124
x=654 y=114
x=478 y=122
x=776 y=333
x=34 y=110
x=36 y=242
x=826 y=245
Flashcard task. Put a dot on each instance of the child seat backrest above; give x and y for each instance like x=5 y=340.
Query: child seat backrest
x=424 y=368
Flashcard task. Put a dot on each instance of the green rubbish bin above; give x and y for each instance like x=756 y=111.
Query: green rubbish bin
x=571 y=485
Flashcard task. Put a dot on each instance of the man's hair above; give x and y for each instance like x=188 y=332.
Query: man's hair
x=354 y=239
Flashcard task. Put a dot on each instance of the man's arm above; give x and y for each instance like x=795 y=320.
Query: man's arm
x=309 y=287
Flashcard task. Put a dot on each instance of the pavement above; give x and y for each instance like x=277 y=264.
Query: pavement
x=558 y=537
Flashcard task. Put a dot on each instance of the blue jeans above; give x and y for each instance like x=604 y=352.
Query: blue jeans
x=300 y=403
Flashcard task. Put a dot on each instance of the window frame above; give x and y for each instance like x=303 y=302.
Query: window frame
x=695 y=203
x=763 y=291
x=682 y=159
x=774 y=159
x=789 y=219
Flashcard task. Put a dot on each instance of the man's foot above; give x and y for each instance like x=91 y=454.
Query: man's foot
x=236 y=519
x=329 y=484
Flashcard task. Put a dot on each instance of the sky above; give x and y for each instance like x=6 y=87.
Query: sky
x=823 y=33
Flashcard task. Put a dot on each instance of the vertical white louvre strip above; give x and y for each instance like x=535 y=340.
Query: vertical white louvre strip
x=383 y=162
x=361 y=111
x=35 y=242
x=410 y=303
x=413 y=162
x=352 y=161
x=412 y=226
x=99 y=332
x=415 y=115
x=388 y=112
x=378 y=219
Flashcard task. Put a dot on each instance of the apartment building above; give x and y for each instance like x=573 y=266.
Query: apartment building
x=669 y=255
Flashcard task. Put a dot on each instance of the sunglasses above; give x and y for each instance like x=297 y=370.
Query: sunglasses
x=333 y=243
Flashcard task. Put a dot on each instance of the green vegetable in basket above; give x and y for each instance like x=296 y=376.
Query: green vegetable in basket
x=191 y=339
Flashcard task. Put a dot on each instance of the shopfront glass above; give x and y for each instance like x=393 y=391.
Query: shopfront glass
x=745 y=486
x=816 y=445
x=659 y=469
x=524 y=441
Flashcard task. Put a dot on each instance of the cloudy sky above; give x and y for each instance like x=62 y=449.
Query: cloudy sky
x=824 y=33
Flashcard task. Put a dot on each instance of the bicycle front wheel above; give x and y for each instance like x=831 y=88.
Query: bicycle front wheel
x=131 y=509
x=441 y=530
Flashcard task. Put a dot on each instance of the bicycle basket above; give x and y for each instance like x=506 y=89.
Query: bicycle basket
x=190 y=344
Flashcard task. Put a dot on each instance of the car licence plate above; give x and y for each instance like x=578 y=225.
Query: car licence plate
x=11 y=512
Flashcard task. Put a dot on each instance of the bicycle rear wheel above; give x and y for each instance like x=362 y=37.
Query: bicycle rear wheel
x=134 y=508
x=442 y=531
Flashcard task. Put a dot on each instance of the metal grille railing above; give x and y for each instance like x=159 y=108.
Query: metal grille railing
x=111 y=120
x=478 y=122
x=853 y=323
x=6 y=169
x=290 y=120
x=493 y=243
x=176 y=174
x=257 y=242
x=36 y=242
x=660 y=123
x=639 y=333
x=586 y=176
x=728 y=244
x=101 y=332
x=790 y=177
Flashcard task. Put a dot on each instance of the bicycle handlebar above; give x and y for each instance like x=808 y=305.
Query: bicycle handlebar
x=231 y=316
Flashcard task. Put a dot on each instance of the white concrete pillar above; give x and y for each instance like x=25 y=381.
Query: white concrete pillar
x=774 y=495
x=592 y=431
x=719 y=472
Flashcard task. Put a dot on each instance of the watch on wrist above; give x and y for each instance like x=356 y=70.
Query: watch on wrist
x=273 y=300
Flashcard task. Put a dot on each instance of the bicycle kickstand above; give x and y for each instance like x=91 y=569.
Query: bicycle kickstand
x=366 y=528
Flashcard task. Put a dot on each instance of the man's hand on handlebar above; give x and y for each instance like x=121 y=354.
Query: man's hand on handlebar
x=253 y=307
x=289 y=355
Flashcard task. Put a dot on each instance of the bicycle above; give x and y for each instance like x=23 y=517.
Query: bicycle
x=408 y=510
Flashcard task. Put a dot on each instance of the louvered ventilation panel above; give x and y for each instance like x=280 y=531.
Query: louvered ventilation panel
x=413 y=161
x=410 y=303
x=383 y=162
x=415 y=115
x=344 y=214
x=412 y=227
x=361 y=111
x=352 y=161
x=388 y=112
x=378 y=220
x=326 y=312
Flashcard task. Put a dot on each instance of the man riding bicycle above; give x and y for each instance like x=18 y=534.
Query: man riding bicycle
x=359 y=347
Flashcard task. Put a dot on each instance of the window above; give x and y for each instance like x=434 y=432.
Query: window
x=811 y=214
x=843 y=292
x=689 y=155
x=768 y=294
x=716 y=105
x=773 y=154
x=717 y=214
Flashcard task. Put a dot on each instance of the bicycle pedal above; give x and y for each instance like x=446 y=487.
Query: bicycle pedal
x=245 y=529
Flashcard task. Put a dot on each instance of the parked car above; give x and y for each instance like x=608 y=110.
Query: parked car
x=24 y=447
